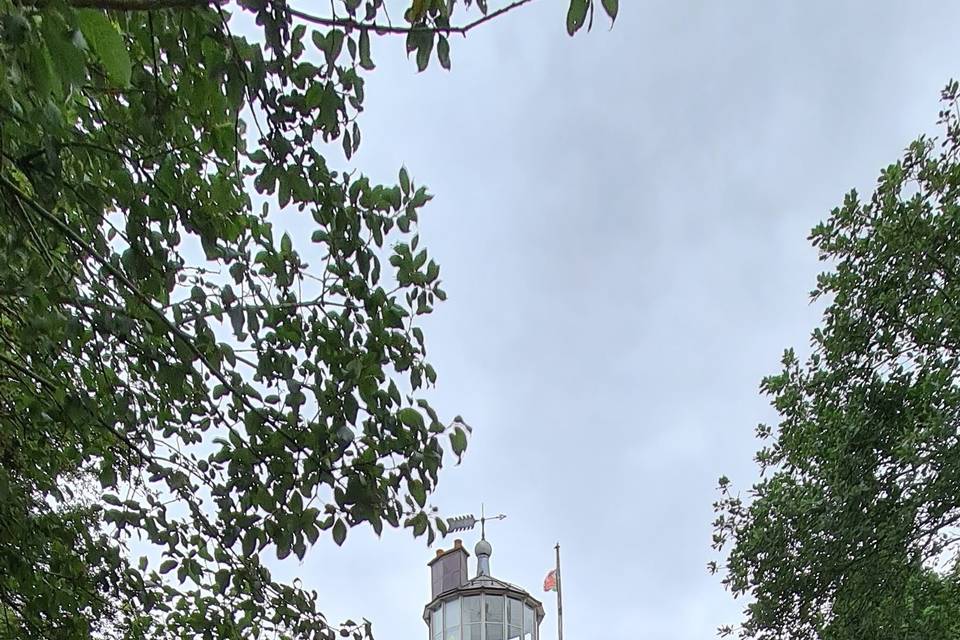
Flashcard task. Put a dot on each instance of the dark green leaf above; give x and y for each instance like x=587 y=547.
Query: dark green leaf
x=418 y=492
x=365 y=61
x=105 y=39
x=443 y=52
x=577 y=15
x=410 y=417
x=458 y=440
x=339 y=532
x=611 y=7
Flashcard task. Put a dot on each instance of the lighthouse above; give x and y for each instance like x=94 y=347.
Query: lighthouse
x=477 y=608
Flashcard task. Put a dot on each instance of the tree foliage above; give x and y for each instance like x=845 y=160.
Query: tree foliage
x=176 y=372
x=852 y=531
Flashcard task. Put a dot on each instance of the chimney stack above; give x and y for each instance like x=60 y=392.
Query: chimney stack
x=448 y=570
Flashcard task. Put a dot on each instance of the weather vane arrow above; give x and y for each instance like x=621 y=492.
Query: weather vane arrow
x=469 y=521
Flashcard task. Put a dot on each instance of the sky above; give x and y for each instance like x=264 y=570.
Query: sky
x=621 y=219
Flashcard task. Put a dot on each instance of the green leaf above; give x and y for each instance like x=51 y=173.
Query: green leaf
x=300 y=549
x=222 y=580
x=611 y=7
x=70 y=60
x=108 y=477
x=42 y=75
x=236 y=319
x=365 y=60
x=335 y=45
x=313 y=96
x=339 y=532
x=417 y=491
x=296 y=503
x=249 y=543
x=424 y=49
x=458 y=440
x=577 y=15
x=410 y=417
x=420 y=523
x=104 y=38
x=109 y=498
x=167 y=565
x=443 y=52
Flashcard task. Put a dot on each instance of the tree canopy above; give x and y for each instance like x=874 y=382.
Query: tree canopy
x=175 y=371
x=852 y=531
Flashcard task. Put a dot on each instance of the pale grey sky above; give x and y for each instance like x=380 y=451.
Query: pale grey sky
x=621 y=220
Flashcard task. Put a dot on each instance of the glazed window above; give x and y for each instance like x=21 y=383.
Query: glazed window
x=493 y=608
x=514 y=619
x=436 y=624
x=529 y=624
x=451 y=620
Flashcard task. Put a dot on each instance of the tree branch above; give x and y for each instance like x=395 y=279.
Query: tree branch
x=140 y=5
x=346 y=23
x=349 y=23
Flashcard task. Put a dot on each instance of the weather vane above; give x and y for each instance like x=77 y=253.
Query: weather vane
x=468 y=522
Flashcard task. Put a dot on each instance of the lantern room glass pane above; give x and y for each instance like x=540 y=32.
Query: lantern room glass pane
x=494 y=631
x=528 y=623
x=514 y=612
x=471 y=609
x=493 y=611
x=452 y=614
x=436 y=624
x=513 y=633
x=472 y=631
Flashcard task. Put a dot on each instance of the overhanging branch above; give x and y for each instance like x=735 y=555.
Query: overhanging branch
x=140 y=5
x=350 y=23
x=344 y=23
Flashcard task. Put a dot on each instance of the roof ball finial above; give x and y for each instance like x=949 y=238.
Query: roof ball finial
x=483 y=551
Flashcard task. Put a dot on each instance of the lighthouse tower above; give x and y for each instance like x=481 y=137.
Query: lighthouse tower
x=478 y=608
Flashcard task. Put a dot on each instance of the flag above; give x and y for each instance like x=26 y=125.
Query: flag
x=550 y=582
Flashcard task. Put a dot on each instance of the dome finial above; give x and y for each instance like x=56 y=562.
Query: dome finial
x=483 y=551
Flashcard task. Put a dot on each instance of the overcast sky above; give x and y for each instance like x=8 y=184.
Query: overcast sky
x=621 y=220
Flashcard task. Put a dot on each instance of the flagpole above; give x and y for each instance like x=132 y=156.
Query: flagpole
x=559 y=598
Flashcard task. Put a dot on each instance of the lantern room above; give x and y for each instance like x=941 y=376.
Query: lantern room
x=478 y=608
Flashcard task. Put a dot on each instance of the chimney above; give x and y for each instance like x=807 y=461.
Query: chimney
x=448 y=570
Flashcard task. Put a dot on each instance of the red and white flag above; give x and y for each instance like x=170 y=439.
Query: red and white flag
x=550 y=582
